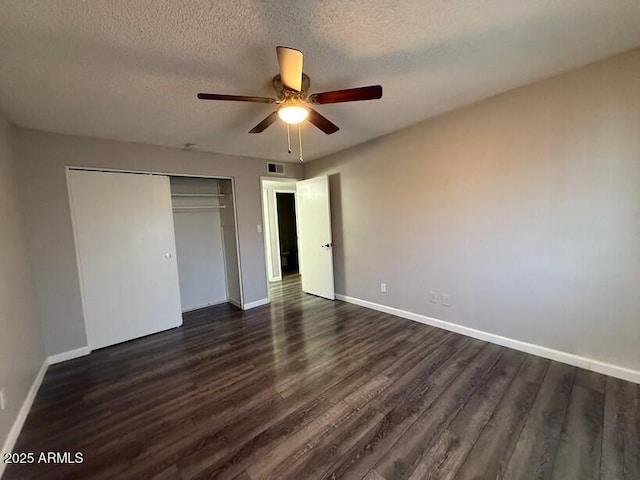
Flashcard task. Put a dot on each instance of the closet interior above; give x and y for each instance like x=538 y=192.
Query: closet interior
x=206 y=244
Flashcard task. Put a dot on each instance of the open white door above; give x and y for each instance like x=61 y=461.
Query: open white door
x=314 y=237
x=127 y=255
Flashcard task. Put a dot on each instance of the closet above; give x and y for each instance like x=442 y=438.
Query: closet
x=205 y=242
x=150 y=247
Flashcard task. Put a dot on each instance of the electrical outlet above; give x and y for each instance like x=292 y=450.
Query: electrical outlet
x=433 y=297
x=2 y=399
x=446 y=300
x=383 y=287
x=259 y=228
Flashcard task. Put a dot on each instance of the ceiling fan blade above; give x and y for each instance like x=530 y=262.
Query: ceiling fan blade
x=235 y=98
x=290 y=61
x=322 y=122
x=262 y=126
x=371 y=92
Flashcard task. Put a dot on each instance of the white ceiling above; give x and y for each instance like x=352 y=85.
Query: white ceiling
x=130 y=70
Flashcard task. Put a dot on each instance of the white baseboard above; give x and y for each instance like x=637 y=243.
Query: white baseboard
x=71 y=354
x=557 y=355
x=11 y=439
x=257 y=303
x=236 y=302
x=204 y=305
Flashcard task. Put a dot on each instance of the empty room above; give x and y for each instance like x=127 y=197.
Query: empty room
x=319 y=239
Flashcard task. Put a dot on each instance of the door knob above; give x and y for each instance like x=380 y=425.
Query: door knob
x=167 y=256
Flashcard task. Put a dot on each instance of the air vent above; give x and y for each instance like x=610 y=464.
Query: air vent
x=275 y=168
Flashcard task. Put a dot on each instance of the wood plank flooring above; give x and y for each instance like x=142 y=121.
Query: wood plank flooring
x=306 y=388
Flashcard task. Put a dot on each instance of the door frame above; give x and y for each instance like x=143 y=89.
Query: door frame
x=69 y=168
x=266 y=229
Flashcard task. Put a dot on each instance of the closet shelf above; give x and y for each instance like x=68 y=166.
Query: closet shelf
x=198 y=207
x=197 y=194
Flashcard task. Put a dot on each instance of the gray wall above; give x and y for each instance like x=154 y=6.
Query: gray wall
x=21 y=348
x=525 y=208
x=43 y=157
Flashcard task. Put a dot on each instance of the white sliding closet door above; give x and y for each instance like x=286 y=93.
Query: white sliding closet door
x=126 y=251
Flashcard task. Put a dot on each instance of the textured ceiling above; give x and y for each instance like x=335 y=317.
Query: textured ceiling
x=130 y=70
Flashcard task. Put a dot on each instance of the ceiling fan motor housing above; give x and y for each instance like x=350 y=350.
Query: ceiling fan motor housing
x=285 y=93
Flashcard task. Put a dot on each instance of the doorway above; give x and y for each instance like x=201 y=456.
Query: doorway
x=287 y=232
x=280 y=228
x=297 y=233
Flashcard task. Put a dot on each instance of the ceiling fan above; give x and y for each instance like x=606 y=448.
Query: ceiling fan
x=292 y=87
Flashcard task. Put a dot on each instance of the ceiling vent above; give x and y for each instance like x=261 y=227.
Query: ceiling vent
x=275 y=168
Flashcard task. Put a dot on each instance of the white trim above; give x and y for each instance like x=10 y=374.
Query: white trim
x=235 y=302
x=276 y=234
x=146 y=172
x=264 y=203
x=279 y=179
x=257 y=303
x=69 y=355
x=550 y=353
x=264 y=190
x=12 y=437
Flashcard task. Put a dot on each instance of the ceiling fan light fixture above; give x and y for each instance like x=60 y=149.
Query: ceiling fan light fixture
x=293 y=114
x=294 y=104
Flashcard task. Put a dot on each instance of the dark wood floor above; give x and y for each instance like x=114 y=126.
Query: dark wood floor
x=307 y=388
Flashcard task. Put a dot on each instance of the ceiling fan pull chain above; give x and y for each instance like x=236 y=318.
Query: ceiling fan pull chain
x=300 y=140
x=288 y=139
